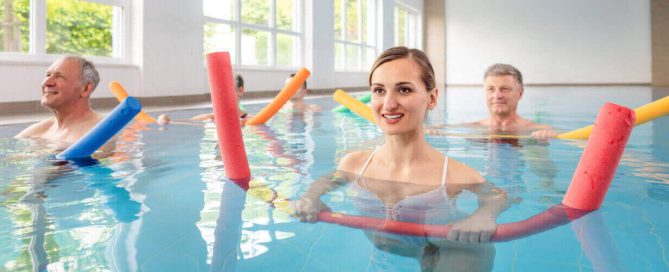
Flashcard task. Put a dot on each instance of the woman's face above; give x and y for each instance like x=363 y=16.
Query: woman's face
x=399 y=97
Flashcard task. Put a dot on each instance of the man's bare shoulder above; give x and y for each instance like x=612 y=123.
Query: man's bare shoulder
x=36 y=130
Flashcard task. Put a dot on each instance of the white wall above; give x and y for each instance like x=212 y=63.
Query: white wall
x=552 y=41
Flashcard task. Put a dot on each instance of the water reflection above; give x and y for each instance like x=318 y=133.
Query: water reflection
x=422 y=204
x=69 y=204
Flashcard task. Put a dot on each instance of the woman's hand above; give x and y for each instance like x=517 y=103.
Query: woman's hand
x=307 y=209
x=477 y=228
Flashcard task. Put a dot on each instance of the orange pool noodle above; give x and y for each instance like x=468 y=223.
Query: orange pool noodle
x=281 y=98
x=600 y=158
x=226 y=116
x=120 y=93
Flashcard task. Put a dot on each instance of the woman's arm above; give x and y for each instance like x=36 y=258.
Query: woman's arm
x=480 y=225
x=310 y=204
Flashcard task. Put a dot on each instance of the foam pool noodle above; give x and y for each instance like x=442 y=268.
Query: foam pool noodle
x=281 y=98
x=354 y=105
x=120 y=94
x=103 y=131
x=363 y=99
x=600 y=159
x=645 y=113
x=226 y=116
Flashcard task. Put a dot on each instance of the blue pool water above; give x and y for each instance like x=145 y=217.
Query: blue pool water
x=161 y=202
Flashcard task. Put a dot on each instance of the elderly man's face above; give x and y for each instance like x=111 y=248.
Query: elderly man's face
x=63 y=84
x=502 y=94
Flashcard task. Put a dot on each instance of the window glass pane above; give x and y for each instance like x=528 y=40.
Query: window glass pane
x=287 y=50
x=219 y=37
x=363 y=27
x=255 y=47
x=285 y=10
x=221 y=9
x=337 y=19
x=340 y=55
x=352 y=57
x=255 y=12
x=78 y=27
x=411 y=29
x=352 y=20
x=400 y=26
x=370 y=56
x=369 y=22
x=15 y=29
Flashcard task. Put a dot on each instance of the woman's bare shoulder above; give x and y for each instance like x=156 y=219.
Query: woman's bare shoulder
x=460 y=173
x=354 y=161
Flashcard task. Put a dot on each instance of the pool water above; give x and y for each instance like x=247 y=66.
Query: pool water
x=161 y=201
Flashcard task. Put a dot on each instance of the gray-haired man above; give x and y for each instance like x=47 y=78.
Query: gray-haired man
x=503 y=85
x=66 y=90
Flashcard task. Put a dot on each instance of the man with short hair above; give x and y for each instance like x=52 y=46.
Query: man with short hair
x=296 y=102
x=66 y=90
x=239 y=91
x=504 y=88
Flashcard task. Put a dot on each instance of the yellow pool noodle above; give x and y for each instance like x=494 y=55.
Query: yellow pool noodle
x=644 y=114
x=120 y=93
x=353 y=104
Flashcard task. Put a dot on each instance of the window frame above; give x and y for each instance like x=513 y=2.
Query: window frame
x=238 y=25
x=418 y=42
x=372 y=40
x=37 y=36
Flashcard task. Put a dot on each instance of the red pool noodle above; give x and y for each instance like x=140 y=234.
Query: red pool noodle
x=600 y=158
x=226 y=116
x=554 y=216
x=586 y=192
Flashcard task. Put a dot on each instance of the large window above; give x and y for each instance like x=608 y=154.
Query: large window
x=406 y=27
x=255 y=32
x=355 y=34
x=34 y=28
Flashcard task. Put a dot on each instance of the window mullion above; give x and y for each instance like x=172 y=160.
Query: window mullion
x=344 y=37
x=38 y=27
x=238 y=33
x=272 y=37
x=360 y=34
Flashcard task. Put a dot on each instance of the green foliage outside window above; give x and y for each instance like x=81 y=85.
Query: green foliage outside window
x=73 y=26
x=78 y=27
x=15 y=30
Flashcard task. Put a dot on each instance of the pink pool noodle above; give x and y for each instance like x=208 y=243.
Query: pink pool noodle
x=226 y=116
x=599 y=161
x=586 y=192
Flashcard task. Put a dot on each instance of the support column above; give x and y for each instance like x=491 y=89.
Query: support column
x=660 y=42
x=434 y=38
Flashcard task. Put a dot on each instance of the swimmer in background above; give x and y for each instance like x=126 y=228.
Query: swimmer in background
x=296 y=102
x=163 y=119
x=407 y=168
x=504 y=89
x=503 y=85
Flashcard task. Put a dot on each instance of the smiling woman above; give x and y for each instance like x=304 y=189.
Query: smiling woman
x=407 y=169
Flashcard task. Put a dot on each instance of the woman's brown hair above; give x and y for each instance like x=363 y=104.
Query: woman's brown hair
x=402 y=52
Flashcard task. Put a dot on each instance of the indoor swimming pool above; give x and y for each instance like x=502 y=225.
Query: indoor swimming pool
x=161 y=202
